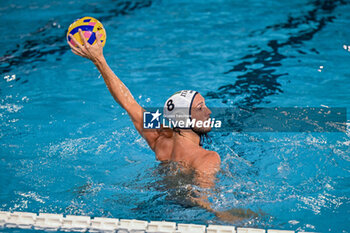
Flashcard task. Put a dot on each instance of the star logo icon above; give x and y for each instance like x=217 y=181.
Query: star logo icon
x=156 y=115
x=151 y=120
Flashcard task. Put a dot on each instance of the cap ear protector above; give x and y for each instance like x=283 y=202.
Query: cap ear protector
x=178 y=106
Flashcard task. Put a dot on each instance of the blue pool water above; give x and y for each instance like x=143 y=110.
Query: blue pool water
x=67 y=147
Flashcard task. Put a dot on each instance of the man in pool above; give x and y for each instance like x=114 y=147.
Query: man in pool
x=180 y=145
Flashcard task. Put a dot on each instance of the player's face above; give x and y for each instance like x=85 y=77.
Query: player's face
x=200 y=112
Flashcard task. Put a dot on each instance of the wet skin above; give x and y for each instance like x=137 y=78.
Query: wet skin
x=168 y=145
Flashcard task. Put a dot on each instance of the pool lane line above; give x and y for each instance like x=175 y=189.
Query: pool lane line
x=74 y=223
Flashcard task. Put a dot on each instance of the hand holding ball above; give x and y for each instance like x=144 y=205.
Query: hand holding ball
x=86 y=37
x=89 y=26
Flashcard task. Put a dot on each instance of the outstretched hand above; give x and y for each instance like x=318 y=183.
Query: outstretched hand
x=226 y=216
x=237 y=214
x=91 y=52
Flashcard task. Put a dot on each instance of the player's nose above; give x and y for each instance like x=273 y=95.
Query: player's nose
x=208 y=112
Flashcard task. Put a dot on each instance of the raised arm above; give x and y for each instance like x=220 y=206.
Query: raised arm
x=119 y=91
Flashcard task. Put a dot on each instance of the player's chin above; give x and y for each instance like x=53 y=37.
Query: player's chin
x=202 y=130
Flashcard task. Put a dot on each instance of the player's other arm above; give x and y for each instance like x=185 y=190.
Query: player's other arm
x=119 y=91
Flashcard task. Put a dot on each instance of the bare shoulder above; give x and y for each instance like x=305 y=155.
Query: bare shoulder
x=164 y=145
x=209 y=162
x=212 y=156
x=165 y=136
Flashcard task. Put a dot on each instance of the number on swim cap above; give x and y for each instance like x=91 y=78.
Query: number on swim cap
x=170 y=105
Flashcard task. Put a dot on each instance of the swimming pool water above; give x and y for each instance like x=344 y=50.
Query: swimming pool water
x=67 y=147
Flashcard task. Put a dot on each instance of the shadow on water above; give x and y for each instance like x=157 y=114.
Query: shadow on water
x=50 y=39
x=255 y=84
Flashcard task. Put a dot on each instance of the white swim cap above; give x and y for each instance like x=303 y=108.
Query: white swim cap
x=178 y=106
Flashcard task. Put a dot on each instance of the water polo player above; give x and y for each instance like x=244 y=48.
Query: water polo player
x=181 y=145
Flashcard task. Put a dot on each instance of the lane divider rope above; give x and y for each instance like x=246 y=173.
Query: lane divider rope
x=73 y=223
